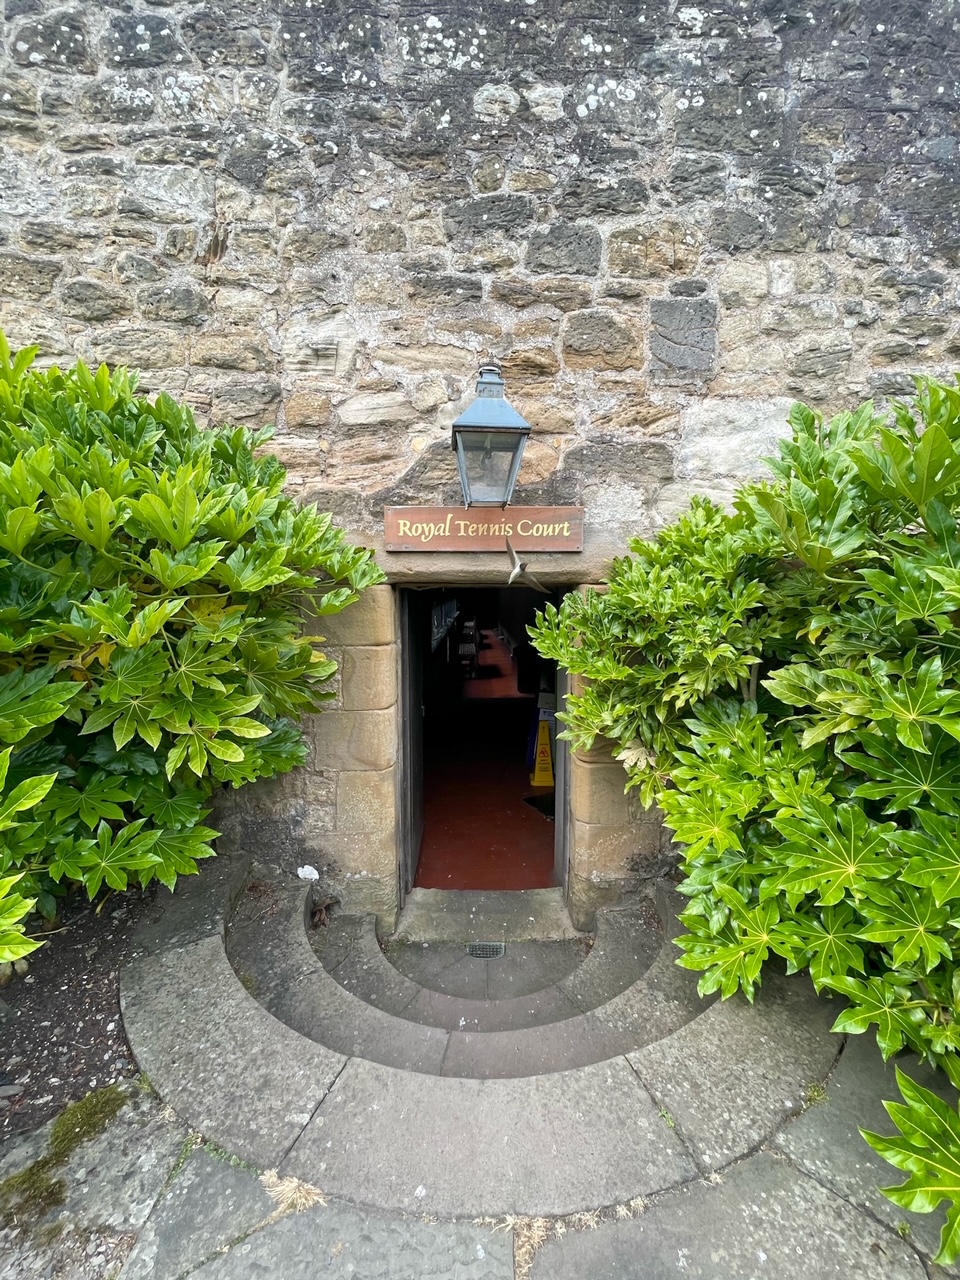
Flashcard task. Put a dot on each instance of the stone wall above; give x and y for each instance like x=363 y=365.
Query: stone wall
x=668 y=219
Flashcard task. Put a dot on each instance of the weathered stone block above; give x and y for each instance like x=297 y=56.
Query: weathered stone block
x=24 y=277
x=370 y=620
x=565 y=247
x=56 y=42
x=350 y=740
x=600 y=338
x=216 y=38
x=244 y=352
x=684 y=339
x=603 y=852
x=134 y=268
x=376 y=409
x=367 y=802
x=253 y=401
x=597 y=793
x=93 y=300
x=142 y=348
x=565 y=295
x=653 y=251
x=141 y=40
x=368 y=677
x=507 y=213
x=731 y=437
x=305 y=409
x=183 y=303
x=434 y=287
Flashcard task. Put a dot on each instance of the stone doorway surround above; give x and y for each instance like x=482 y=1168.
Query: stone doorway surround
x=342 y=811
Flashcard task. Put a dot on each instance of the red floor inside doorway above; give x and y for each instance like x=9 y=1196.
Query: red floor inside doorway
x=479 y=833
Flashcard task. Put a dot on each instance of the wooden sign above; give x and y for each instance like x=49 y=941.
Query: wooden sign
x=483 y=528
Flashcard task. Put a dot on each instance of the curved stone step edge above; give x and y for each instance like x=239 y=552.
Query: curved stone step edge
x=386 y=987
x=296 y=988
x=286 y=976
x=250 y=1084
x=719 y=1092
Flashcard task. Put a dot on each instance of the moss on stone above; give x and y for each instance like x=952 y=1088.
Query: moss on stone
x=30 y=1195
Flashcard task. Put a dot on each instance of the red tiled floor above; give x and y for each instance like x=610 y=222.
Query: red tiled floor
x=496 y=675
x=478 y=832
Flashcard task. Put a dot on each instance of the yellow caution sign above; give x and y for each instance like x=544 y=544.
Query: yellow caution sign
x=542 y=775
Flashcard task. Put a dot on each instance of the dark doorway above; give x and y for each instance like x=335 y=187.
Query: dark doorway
x=479 y=822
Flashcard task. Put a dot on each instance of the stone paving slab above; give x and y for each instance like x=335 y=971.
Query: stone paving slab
x=210 y=1203
x=729 y=1078
x=342 y=1244
x=763 y=1218
x=438 y=1010
x=109 y=1185
x=218 y=1057
x=287 y=978
x=825 y=1141
x=526 y=968
x=552 y=1144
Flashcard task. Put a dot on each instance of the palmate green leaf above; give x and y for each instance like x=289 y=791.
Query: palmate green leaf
x=175 y=514
x=250 y=569
x=830 y=941
x=97 y=799
x=895 y=1010
x=111 y=858
x=14 y=944
x=935 y=864
x=26 y=795
x=909 y=923
x=834 y=852
x=183 y=567
x=922 y=700
x=30 y=700
x=906 y=778
x=91 y=518
x=177 y=854
x=928 y=1148
x=732 y=958
x=702 y=820
x=909 y=590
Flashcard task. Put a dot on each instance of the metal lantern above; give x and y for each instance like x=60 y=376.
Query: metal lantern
x=488 y=438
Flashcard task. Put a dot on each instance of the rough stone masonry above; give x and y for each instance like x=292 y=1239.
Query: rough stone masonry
x=668 y=219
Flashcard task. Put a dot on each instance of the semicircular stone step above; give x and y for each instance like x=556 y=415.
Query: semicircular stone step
x=626 y=945
x=273 y=959
x=548 y=1145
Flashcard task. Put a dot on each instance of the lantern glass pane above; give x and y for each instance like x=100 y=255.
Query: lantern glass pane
x=488 y=461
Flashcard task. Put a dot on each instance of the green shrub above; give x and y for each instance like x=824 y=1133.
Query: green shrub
x=783 y=682
x=152 y=581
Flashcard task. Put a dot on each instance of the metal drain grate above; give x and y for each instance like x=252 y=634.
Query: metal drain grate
x=485 y=950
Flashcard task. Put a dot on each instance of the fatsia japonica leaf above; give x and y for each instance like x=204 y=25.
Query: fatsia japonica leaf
x=835 y=851
x=891 y=1007
x=905 y=778
x=928 y=1149
x=909 y=922
x=732 y=960
x=935 y=864
x=829 y=942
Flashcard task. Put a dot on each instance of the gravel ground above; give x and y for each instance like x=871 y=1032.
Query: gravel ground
x=60 y=1030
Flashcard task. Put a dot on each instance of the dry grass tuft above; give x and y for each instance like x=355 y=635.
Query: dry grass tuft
x=290 y=1195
